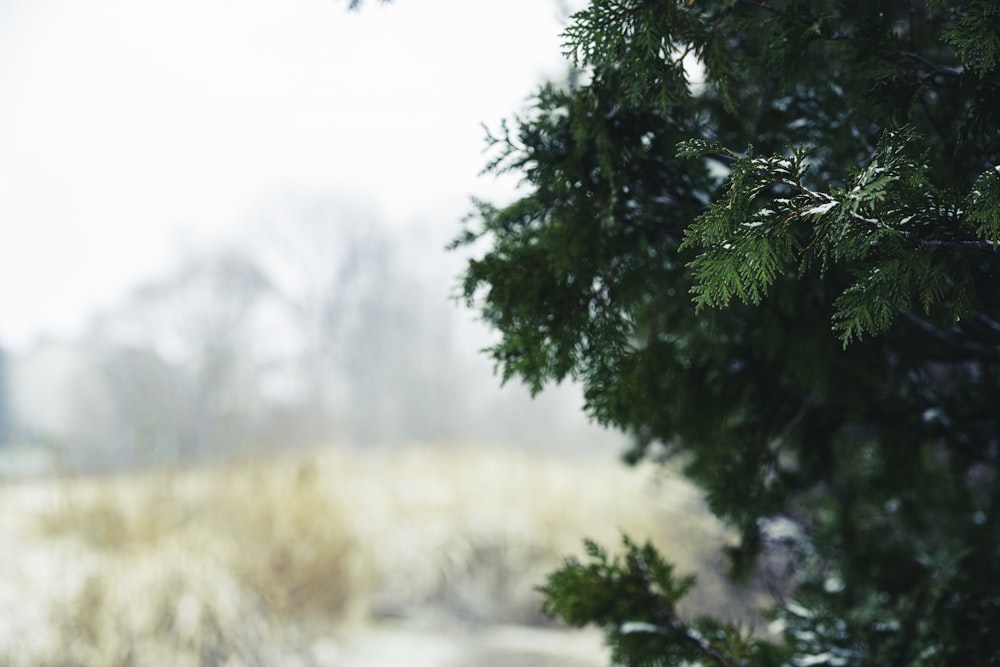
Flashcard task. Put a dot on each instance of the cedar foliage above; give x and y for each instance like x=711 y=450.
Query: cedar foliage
x=762 y=235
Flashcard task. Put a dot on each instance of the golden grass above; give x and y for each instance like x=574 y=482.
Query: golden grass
x=274 y=526
x=235 y=563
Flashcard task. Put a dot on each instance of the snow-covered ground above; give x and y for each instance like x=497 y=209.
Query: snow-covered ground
x=337 y=559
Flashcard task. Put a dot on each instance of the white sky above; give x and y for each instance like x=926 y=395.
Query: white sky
x=127 y=126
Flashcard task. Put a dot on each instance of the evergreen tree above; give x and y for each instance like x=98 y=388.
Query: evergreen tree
x=762 y=235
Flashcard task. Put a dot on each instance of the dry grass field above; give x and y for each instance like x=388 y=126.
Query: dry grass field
x=294 y=560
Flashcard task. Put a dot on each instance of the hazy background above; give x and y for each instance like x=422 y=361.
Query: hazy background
x=222 y=224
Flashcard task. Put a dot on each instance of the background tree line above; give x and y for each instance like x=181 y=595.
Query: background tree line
x=322 y=325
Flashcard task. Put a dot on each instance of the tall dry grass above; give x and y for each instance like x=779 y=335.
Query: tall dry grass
x=254 y=563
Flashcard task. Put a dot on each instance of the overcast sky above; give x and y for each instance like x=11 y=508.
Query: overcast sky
x=129 y=128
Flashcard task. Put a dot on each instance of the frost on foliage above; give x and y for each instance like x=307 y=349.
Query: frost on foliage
x=821 y=209
x=825 y=658
x=635 y=627
x=771 y=223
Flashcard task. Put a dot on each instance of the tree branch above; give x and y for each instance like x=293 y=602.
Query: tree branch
x=967 y=347
x=975 y=246
x=966 y=246
x=933 y=67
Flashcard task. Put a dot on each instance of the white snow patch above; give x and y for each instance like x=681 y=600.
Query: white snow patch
x=779 y=528
x=795 y=608
x=825 y=658
x=640 y=627
x=821 y=208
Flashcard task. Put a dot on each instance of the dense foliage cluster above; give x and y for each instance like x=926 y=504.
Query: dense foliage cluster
x=762 y=235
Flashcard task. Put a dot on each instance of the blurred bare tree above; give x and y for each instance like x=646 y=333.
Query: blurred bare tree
x=180 y=362
x=324 y=324
x=369 y=335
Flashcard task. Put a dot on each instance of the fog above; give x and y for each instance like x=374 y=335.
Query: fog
x=318 y=325
x=133 y=130
x=223 y=226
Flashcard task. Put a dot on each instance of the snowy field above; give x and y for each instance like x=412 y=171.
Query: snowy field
x=420 y=556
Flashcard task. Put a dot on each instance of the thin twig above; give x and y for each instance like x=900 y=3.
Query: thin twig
x=932 y=66
x=976 y=350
